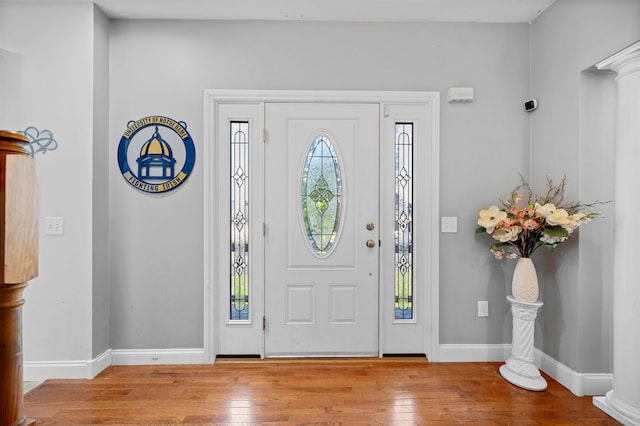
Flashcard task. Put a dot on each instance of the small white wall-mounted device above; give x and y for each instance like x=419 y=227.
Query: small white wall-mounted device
x=483 y=308
x=54 y=225
x=449 y=224
x=530 y=105
x=460 y=94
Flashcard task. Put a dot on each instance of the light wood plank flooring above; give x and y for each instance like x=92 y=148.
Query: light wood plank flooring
x=387 y=391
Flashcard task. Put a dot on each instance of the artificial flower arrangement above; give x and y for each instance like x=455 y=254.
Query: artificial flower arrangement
x=527 y=221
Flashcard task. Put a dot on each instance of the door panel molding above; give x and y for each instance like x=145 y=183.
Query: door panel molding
x=214 y=204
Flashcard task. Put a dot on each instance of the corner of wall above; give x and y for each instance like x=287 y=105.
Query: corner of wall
x=580 y=384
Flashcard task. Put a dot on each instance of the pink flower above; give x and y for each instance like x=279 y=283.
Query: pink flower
x=530 y=224
x=517 y=197
x=508 y=222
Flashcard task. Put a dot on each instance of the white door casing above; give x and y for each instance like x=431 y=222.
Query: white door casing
x=222 y=336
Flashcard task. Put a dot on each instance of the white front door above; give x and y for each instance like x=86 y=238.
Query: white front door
x=321 y=284
x=288 y=271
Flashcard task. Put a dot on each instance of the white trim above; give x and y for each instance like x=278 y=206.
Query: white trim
x=353 y=96
x=36 y=371
x=101 y=362
x=210 y=226
x=619 y=410
x=157 y=356
x=580 y=384
x=433 y=245
x=608 y=63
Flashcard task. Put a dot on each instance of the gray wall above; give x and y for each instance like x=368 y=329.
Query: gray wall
x=162 y=67
x=150 y=295
x=47 y=81
x=573 y=133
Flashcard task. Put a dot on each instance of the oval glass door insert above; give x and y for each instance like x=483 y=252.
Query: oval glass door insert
x=321 y=190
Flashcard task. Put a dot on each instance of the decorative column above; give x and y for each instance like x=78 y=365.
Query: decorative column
x=19 y=255
x=519 y=368
x=623 y=401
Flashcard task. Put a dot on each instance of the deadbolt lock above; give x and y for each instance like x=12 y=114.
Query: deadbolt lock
x=370 y=226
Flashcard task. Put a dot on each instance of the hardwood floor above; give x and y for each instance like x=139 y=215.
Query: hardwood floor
x=387 y=391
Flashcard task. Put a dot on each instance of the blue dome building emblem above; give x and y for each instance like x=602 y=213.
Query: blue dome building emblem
x=156 y=155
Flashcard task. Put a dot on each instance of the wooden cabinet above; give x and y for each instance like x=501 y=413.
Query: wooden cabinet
x=19 y=255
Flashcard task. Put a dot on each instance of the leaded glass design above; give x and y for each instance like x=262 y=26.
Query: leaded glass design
x=321 y=190
x=239 y=192
x=404 y=222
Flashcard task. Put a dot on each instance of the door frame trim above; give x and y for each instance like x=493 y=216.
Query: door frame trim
x=212 y=98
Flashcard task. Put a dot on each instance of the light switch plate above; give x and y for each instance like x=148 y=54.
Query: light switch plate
x=483 y=308
x=449 y=224
x=54 y=225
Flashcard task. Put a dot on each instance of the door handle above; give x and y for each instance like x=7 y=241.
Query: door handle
x=371 y=243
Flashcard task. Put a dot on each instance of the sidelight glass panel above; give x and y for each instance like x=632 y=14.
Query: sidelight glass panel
x=239 y=191
x=404 y=222
x=321 y=191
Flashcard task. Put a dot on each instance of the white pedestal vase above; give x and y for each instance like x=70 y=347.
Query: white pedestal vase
x=519 y=368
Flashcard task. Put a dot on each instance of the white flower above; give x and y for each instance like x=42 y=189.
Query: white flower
x=575 y=220
x=552 y=215
x=547 y=239
x=544 y=211
x=579 y=218
x=559 y=217
x=490 y=218
x=507 y=234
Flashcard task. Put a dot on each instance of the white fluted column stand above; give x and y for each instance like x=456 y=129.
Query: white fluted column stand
x=519 y=368
x=623 y=401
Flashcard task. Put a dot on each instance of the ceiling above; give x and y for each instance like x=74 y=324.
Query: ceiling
x=502 y=11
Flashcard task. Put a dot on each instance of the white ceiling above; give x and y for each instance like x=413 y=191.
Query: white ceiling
x=324 y=10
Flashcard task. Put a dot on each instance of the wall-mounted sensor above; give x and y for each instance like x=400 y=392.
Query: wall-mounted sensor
x=460 y=94
x=530 y=105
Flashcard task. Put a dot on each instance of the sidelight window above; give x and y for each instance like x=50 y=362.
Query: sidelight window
x=239 y=192
x=404 y=222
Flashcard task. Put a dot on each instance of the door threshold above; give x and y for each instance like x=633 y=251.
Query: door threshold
x=326 y=360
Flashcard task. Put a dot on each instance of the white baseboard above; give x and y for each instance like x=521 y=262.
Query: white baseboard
x=157 y=356
x=579 y=384
x=37 y=371
x=474 y=353
x=101 y=362
x=622 y=412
